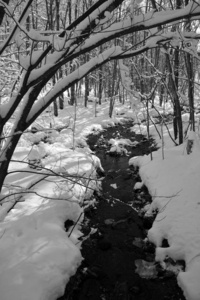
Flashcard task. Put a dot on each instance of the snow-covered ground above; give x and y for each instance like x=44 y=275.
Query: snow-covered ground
x=37 y=255
x=172 y=178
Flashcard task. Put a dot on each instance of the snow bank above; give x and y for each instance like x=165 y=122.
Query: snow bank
x=174 y=186
x=37 y=255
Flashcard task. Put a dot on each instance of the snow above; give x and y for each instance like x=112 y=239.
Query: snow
x=37 y=255
x=37 y=36
x=146 y=21
x=38 y=72
x=34 y=153
x=138 y=185
x=119 y=145
x=63 y=83
x=173 y=183
x=86 y=22
x=18 y=25
x=114 y=186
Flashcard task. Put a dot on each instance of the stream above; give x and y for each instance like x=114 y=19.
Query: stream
x=108 y=271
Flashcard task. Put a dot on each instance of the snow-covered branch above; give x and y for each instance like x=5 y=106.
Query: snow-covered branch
x=80 y=43
x=18 y=23
x=175 y=39
x=113 y=53
x=65 y=83
x=142 y=22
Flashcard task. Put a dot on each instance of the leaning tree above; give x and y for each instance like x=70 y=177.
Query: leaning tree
x=41 y=53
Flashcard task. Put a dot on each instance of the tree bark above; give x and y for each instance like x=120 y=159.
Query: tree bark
x=177 y=121
x=190 y=75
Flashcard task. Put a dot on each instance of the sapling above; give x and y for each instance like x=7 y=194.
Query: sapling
x=148 y=133
x=74 y=125
x=190 y=141
x=162 y=136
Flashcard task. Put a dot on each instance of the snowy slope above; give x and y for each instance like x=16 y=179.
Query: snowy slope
x=37 y=255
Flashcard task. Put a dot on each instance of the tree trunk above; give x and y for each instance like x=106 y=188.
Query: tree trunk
x=86 y=90
x=100 y=73
x=100 y=84
x=86 y=83
x=177 y=122
x=61 y=97
x=72 y=95
x=112 y=98
x=190 y=75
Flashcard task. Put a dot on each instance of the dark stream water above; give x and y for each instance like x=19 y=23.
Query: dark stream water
x=108 y=269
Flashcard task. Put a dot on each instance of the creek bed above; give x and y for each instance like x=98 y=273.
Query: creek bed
x=108 y=269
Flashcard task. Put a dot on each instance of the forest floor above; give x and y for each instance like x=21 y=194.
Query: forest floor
x=108 y=271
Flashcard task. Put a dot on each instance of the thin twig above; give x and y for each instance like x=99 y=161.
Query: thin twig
x=75 y=224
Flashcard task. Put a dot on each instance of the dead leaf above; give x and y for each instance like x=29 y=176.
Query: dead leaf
x=138 y=242
x=146 y=269
x=109 y=221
